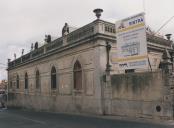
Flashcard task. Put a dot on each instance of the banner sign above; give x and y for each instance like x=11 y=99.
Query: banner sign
x=131 y=43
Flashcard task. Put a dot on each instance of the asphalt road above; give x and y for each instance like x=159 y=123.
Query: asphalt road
x=14 y=118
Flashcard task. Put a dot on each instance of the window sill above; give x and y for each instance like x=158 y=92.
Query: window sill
x=37 y=91
x=78 y=92
x=53 y=92
x=26 y=91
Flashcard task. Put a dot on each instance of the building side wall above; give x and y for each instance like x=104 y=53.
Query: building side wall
x=65 y=98
x=141 y=94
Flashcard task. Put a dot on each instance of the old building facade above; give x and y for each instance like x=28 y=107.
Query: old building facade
x=69 y=75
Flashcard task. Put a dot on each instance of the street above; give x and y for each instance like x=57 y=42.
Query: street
x=14 y=118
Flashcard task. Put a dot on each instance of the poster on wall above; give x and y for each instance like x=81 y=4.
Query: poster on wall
x=131 y=43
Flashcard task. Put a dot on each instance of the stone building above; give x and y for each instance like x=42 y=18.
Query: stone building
x=69 y=75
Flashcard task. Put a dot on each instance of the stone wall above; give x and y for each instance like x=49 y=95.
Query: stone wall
x=64 y=98
x=141 y=95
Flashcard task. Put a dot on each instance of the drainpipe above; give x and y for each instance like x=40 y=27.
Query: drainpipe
x=108 y=66
x=106 y=86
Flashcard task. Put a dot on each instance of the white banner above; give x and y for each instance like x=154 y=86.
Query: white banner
x=131 y=43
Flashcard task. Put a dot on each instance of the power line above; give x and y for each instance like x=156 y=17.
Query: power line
x=164 y=25
x=3 y=64
x=3 y=67
x=144 y=8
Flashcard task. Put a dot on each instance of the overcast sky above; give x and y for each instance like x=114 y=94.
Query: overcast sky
x=23 y=22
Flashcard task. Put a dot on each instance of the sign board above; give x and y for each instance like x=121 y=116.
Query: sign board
x=131 y=43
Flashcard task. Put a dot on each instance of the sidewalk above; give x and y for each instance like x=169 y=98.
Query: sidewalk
x=125 y=118
x=142 y=120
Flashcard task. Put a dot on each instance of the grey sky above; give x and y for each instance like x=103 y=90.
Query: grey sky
x=24 y=22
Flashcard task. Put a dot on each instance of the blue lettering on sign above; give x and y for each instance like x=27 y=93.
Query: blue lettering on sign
x=139 y=20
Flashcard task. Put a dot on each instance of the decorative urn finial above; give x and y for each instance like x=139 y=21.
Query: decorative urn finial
x=98 y=12
x=168 y=36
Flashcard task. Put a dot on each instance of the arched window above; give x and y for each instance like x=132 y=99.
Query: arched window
x=77 y=76
x=17 y=81
x=26 y=81
x=37 y=79
x=53 y=78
